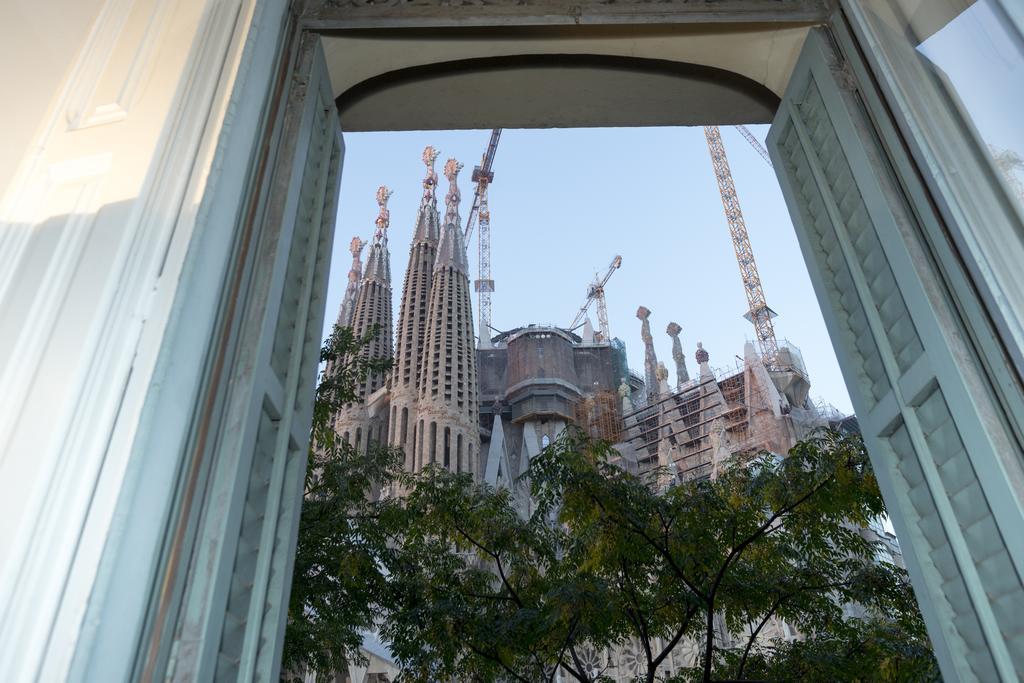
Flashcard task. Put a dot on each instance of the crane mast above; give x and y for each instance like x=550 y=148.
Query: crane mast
x=484 y=285
x=759 y=313
x=755 y=143
x=483 y=171
x=595 y=293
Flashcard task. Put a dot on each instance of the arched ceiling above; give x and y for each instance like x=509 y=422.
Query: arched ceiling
x=526 y=77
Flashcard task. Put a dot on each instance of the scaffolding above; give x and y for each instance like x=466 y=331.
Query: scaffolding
x=599 y=415
x=729 y=403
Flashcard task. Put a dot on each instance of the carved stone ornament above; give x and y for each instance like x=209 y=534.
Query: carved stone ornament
x=702 y=355
x=381 y=13
x=430 y=181
x=694 y=5
x=383 y=216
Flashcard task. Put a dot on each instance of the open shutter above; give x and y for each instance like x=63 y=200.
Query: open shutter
x=945 y=461
x=235 y=601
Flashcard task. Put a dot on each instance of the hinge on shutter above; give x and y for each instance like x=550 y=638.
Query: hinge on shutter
x=838 y=64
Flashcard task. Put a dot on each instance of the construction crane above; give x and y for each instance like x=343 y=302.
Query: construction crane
x=482 y=176
x=759 y=313
x=484 y=285
x=758 y=147
x=595 y=292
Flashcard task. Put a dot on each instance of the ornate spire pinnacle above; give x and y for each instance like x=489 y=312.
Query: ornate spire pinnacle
x=430 y=182
x=650 y=358
x=702 y=355
x=682 y=376
x=355 y=247
x=702 y=360
x=661 y=372
x=355 y=274
x=451 y=250
x=427 y=219
x=383 y=216
x=452 y=199
x=378 y=261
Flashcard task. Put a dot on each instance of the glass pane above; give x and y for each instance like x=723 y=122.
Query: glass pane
x=954 y=74
x=968 y=59
x=978 y=59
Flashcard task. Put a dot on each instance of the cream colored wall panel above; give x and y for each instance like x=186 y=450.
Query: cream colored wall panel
x=38 y=40
x=116 y=61
x=93 y=233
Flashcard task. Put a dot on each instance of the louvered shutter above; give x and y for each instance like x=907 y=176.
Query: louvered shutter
x=938 y=450
x=234 y=608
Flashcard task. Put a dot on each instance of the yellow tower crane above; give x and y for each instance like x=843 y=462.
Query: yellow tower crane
x=759 y=312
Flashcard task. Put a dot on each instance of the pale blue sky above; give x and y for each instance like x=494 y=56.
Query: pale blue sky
x=565 y=202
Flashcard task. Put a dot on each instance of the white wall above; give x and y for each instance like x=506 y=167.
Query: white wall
x=114 y=112
x=40 y=41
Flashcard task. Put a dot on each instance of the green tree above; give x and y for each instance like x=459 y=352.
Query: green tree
x=463 y=584
x=480 y=592
x=343 y=531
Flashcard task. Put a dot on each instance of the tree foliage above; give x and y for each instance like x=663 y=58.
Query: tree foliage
x=463 y=586
x=344 y=530
x=605 y=558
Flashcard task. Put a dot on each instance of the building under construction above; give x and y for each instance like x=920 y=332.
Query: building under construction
x=535 y=380
x=488 y=404
x=689 y=429
x=538 y=379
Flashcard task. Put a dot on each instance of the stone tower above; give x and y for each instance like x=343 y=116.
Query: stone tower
x=682 y=376
x=650 y=358
x=372 y=308
x=412 y=316
x=348 y=302
x=447 y=417
x=355 y=275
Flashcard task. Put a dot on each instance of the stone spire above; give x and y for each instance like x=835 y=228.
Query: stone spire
x=372 y=309
x=625 y=396
x=348 y=302
x=668 y=471
x=378 y=262
x=661 y=372
x=412 y=315
x=448 y=434
x=451 y=249
x=712 y=404
x=587 y=335
x=703 y=357
x=355 y=274
x=428 y=221
x=682 y=376
x=650 y=358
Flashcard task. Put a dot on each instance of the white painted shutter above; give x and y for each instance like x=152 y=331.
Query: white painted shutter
x=944 y=460
x=233 y=613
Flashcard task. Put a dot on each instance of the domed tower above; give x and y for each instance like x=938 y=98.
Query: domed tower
x=412 y=316
x=372 y=308
x=447 y=431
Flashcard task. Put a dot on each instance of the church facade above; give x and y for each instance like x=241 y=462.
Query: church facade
x=488 y=409
x=428 y=404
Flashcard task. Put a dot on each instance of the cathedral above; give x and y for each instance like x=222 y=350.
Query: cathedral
x=428 y=404
x=482 y=409
x=488 y=409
